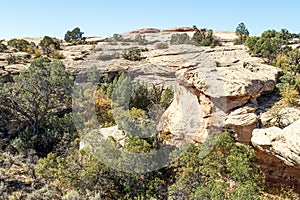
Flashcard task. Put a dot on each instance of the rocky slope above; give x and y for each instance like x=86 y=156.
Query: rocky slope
x=216 y=89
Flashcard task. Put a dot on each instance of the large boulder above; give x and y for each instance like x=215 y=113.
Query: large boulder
x=242 y=122
x=231 y=86
x=104 y=134
x=227 y=78
x=283 y=143
x=278 y=154
x=190 y=117
x=282 y=115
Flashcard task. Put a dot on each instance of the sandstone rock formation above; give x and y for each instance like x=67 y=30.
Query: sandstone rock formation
x=145 y=30
x=242 y=122
x=104 y=133
x=186 y=118
x=215 y=88
x=283 y=143
x=216 y=80
x=232 y=86
x=279 y=151
x=179 y=29
x=284 y=115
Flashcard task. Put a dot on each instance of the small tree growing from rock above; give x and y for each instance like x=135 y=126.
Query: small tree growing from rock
x=180 y=39
x=204 y=37
x=49 y=45
x=20 y=44
x=75 y=34
x=242 y=32
x=3 y=47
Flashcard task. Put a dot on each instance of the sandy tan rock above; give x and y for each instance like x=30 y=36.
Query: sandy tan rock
x=177 y=56
x=95 y=39
x=179 y=29
x=283 y=143
x=145 y=30
x=77 y=52
x=16 y=68
x=104 y=133
x=232 y=86
x=242 y=122
x=279 y=154
x=287 y=116
x=190 y=117
x=185 y=117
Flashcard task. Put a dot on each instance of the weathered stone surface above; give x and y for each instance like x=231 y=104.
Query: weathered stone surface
x=178 y=56
x=278 y=154
x=77 y=52
x=231 y=86
x=105 y=133
x=96 y=39
x=287 y=115
x=242 y=122
x=152 y=74
x=184 y=119
x=16 y=68
x=190 y=117
x=283 y=143
x=145 y=30
x=179 y=29
x=276 y=172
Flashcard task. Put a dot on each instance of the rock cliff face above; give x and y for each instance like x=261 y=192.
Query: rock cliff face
x=222 y=80
x=282 y=143
x=279 y=153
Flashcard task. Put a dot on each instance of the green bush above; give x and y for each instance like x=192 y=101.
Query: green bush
x=162 y=45
x=2 y=47
x=225 y=171
x=73 y=35
x=180 y=39
x=40 y=97
x=12 y=59
x=46 y=192
x=133 y=54
x=117 y=38
x=141 y=96
x=58 y=55
x=289 y=85
x=140 y=39
x=269 y=45
x=242 y=33
x=20 y=44
x=205 y=37
x=49 y=45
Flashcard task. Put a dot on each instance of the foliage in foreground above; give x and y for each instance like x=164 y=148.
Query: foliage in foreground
x=226 y=172
x=37 y=101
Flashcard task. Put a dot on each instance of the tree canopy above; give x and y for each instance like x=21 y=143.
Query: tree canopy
x=73 y=35
x=36 y=100
x=242 y=32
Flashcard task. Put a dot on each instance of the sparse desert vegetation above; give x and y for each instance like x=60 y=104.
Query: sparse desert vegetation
x=147 y=91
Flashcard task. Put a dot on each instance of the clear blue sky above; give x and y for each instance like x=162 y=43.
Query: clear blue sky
x=95 y=17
